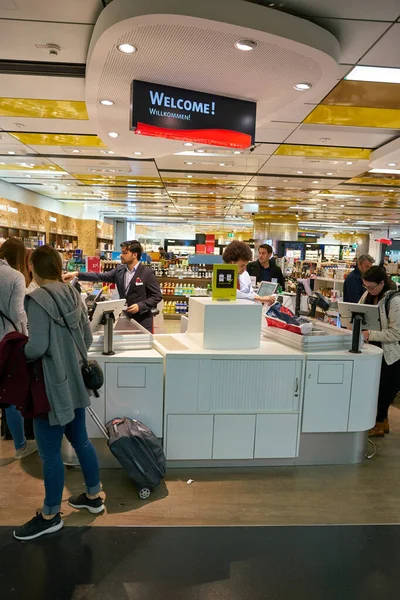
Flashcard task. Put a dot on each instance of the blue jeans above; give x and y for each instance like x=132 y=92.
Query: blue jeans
x=49 y=439
x=15 y=422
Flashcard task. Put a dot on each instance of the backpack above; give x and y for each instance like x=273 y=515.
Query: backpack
x=388 y=301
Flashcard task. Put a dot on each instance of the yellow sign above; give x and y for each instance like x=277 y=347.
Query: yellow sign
x=225 y=279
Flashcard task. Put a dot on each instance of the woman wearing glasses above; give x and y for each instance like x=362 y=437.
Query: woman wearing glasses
x=381 y=290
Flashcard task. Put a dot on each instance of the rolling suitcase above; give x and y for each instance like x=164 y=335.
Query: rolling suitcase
x=137 y=450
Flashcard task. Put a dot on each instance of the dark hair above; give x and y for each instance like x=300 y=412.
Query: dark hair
x=29 y=275
x=47 y=263
x=376 y=275
x=14 y=252
x=134 y=247
x=266 y=247
x=236 y=251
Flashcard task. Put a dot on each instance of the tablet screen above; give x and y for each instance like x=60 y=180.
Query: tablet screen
x=267 y=288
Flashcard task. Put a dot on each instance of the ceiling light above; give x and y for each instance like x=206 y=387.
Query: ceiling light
x=349 y=162
x=391 y=190
x=342 y=206
x=316 y=181
x=75 y=151
x=299 y=172
x=387 y=171
x=376 y=74
x=271 y=205
x=221 y=164
x=126 y=48
x=138 y=153
x=10 y=152
x=188 y=144
x=189 y=176
x=301 y=87
x=245 y=45
x=113 y=134
x=324 y=205
x=106 y=102
x=189 y=163
x=201 y=151
x=329 y=173
x=392 y=164
x=27 y=175
x=107 y=152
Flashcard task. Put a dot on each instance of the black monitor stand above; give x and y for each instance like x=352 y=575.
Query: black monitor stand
x=357 y=320
x=108 y=320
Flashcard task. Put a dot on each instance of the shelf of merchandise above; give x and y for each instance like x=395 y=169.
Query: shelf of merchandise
x=329 y=279
x=174 y=316
x=200 y=281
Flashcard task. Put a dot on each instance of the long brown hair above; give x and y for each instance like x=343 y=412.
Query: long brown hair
x=29 y=275
x=47 y=263
x=14 y=252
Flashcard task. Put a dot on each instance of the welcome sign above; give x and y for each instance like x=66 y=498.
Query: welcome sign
x=189 y=116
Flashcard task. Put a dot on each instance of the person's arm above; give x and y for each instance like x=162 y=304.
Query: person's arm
x=16 y=311
x=39 y=331
x=108 y=277
x=153 y=293
x=392 y=333
x=351 y=290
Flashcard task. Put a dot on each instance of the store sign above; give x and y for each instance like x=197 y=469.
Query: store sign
x=9 y=209
x=224 y=284
x=186 y=115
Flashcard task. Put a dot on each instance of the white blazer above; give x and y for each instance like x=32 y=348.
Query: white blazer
x=390 y=334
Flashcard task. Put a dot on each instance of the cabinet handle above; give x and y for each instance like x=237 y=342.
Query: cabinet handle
x=296 y=391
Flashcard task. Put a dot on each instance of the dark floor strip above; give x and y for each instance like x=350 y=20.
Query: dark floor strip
x=276 y=563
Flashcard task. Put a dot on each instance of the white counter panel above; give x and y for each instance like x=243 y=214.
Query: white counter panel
x=189 y=437
x=234 y=436
x=276 y=436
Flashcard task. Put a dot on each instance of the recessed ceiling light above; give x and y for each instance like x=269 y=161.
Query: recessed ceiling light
x=299 y=172
x=376 y=74
x=188 y=144
x=301 y=87
x=106 y=102
x=329 y=173
x=392 y=164
x=342 y=206
x=201 y=151
x=138 y=153
x=126 y=48
x=75 y=151
x=189 y=176
x=113 y=134
x=221 y=164
x=27 y=175
x=324 y=205
x=245 y=45
x=349 y=162
x=391 y=190
x=270 y=205
x=237 y=152
x=10 y=152
x=316 y=181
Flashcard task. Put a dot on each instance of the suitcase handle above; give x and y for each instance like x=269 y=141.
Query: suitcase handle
x=98 y=422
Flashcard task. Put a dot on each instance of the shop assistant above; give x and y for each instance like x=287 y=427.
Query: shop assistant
x=265 y=268
x=135 y=282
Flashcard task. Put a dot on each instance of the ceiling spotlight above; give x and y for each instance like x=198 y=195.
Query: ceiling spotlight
x=342 y=206
x=126 y=48
x=329 y=173
x=138 y=153
x=75 y=151
x=392 y=164
x=221 y=164
x=113 y=134
x=189 y=176
x=237 y=152
x=188 y=144
x=27 y=175
x=349 y=162
x=201 y=151
x=299 y=172
x=391 y=190
x=10 y=152
x=245 y=45
x=271 y=205
x=301 y=87
x=189 y=163
x=106 y=102
x=316 y=181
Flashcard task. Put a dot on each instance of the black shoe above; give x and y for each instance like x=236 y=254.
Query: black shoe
x=38 y=526
x=95 y=506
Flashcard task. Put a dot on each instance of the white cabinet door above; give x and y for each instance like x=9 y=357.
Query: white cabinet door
x=135 y=390
x=189 y=437
x=181 y=385
x=327 y=396
x=234 y=436
x=276 y=436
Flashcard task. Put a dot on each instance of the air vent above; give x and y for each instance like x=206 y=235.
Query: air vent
x=27 y=67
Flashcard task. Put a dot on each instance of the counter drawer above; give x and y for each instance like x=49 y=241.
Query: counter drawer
x=234 y=436
x=189 y=437
x=276 y=436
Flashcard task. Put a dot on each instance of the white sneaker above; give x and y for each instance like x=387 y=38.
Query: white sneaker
x=30 y=448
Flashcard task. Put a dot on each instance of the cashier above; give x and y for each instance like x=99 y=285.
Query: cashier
x=239 y=253
x=135 y=282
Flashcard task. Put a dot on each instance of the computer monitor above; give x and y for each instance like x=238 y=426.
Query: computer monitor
x=369 y=312
x=115 y=306
x=267 y=288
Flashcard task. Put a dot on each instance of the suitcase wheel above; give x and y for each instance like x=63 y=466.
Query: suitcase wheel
x=144 y=493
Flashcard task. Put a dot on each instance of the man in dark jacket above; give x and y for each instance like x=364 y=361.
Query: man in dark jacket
x=265 y=268
x=134 y=281
x=353 y=285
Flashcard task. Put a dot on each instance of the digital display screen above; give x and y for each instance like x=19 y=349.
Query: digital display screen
x=267 y=288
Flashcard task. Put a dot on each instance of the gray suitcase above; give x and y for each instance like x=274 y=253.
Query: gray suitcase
x=137 y=449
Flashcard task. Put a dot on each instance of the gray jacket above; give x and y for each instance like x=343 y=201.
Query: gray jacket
x=50 y=340
x=12 y=295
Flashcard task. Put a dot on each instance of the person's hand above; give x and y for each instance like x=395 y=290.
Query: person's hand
x=365 y=336
x=133 y=309
x=70 y=276
x=265 y=299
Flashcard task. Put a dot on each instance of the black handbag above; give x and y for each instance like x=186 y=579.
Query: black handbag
x=92 y=373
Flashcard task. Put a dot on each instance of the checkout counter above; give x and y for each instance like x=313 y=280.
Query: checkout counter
x=227 y=393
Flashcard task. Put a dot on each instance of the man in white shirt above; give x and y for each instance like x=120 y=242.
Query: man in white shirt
x=239 y=253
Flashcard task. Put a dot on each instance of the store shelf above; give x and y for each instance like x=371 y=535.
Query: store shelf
x=329 y=279
x=194 y=280
x=174 y=317
x=181 y=297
